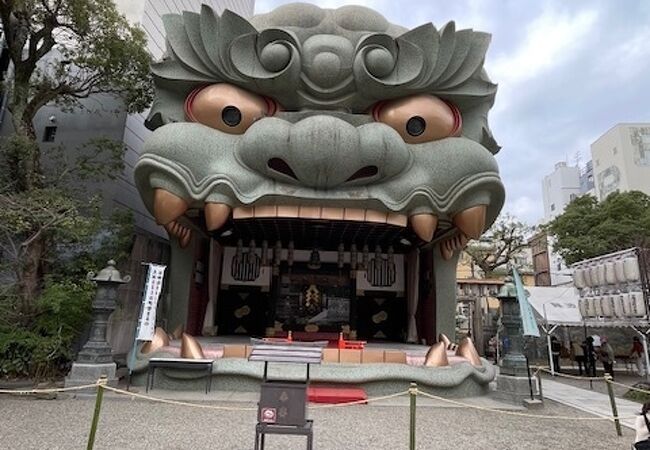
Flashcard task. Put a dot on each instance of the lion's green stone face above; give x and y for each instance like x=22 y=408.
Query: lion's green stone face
x=324 y=111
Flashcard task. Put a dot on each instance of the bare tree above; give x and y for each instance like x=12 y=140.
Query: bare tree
x=505 y=240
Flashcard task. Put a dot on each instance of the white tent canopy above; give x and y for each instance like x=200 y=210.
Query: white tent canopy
x=556 y=304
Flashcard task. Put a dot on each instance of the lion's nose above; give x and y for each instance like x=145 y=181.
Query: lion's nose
x=324 y=152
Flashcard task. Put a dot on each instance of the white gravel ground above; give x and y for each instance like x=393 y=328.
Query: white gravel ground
x=27 y=423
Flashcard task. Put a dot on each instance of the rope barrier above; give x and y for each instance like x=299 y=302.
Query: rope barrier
x=49 y=390
x=334 y=405
x=572 y=377
x=520 y=414
x=176 y=402
x=630 y=387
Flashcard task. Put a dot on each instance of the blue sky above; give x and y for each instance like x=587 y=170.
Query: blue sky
x=567 y=72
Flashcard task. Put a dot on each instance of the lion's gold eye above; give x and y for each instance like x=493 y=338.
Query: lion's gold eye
x=420 y=118
x=227 y=108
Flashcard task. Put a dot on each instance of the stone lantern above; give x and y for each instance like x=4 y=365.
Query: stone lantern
x=514 y=361
x=95 y=358
x=513 y=383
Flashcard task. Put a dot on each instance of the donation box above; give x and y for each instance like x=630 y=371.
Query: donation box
x=283 y=403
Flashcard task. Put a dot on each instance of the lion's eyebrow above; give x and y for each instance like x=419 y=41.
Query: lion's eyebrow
x=207 y=48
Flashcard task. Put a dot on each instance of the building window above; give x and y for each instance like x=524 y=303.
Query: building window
x=572 y=197
x=614 y=150
x=597 y=163
x=49 y=134
x=552 y=206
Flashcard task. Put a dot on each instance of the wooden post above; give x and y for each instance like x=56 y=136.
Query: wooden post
x=412 y=393
x=612 y=401
x=98 y=406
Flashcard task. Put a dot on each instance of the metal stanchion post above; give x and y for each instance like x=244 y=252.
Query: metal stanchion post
x=413 y=393
x=612 y=400
x=538 y=374
x=98 y=406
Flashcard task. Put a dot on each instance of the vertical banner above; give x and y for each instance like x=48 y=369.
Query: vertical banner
x=528 y=322
x=152 y=290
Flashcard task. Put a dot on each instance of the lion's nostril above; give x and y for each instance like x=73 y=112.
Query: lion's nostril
x=281 y=166
x=364 y=172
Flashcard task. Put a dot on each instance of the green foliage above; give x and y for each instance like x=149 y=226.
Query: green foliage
x=96 y=51
x=44 y=349
x=113 y=241
x=16 y=152
x=587 y=228
x=51 y=229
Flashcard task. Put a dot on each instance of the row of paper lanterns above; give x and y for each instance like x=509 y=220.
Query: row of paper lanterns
x=627 y=304
x=625 y=270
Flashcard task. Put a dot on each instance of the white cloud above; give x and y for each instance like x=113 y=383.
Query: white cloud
x=550 y=40
x=626 y=60
x=524 y=208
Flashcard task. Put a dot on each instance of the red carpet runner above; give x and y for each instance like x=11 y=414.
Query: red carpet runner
x=335 y=394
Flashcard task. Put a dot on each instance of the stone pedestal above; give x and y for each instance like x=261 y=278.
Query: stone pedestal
x=95 y=358
x=514 y=390
x=82 y=374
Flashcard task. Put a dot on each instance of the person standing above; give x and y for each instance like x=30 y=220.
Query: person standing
x=607 y=356
x=636 y=354
x=556 y=348
x=642 y=428
x=590 y=357
x=492 y=349
x=578 y=354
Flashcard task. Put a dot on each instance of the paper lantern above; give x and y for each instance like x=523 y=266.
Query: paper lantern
x=579 y=278
x=637 y=304
x=610 y=273
x=631 y=269
x=619 y=305
x=619 y=270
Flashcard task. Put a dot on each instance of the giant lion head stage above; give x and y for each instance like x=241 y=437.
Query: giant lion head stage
x=330 y=155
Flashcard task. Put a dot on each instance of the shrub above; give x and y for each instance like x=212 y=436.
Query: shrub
x=44 y=349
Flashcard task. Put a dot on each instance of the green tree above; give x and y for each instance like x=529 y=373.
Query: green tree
x=499 y=246
x=61 y=52
x=588 y=228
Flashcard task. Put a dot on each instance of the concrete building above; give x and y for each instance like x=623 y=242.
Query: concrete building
x=587 y=185
x=559 y=188
x=621 y=159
